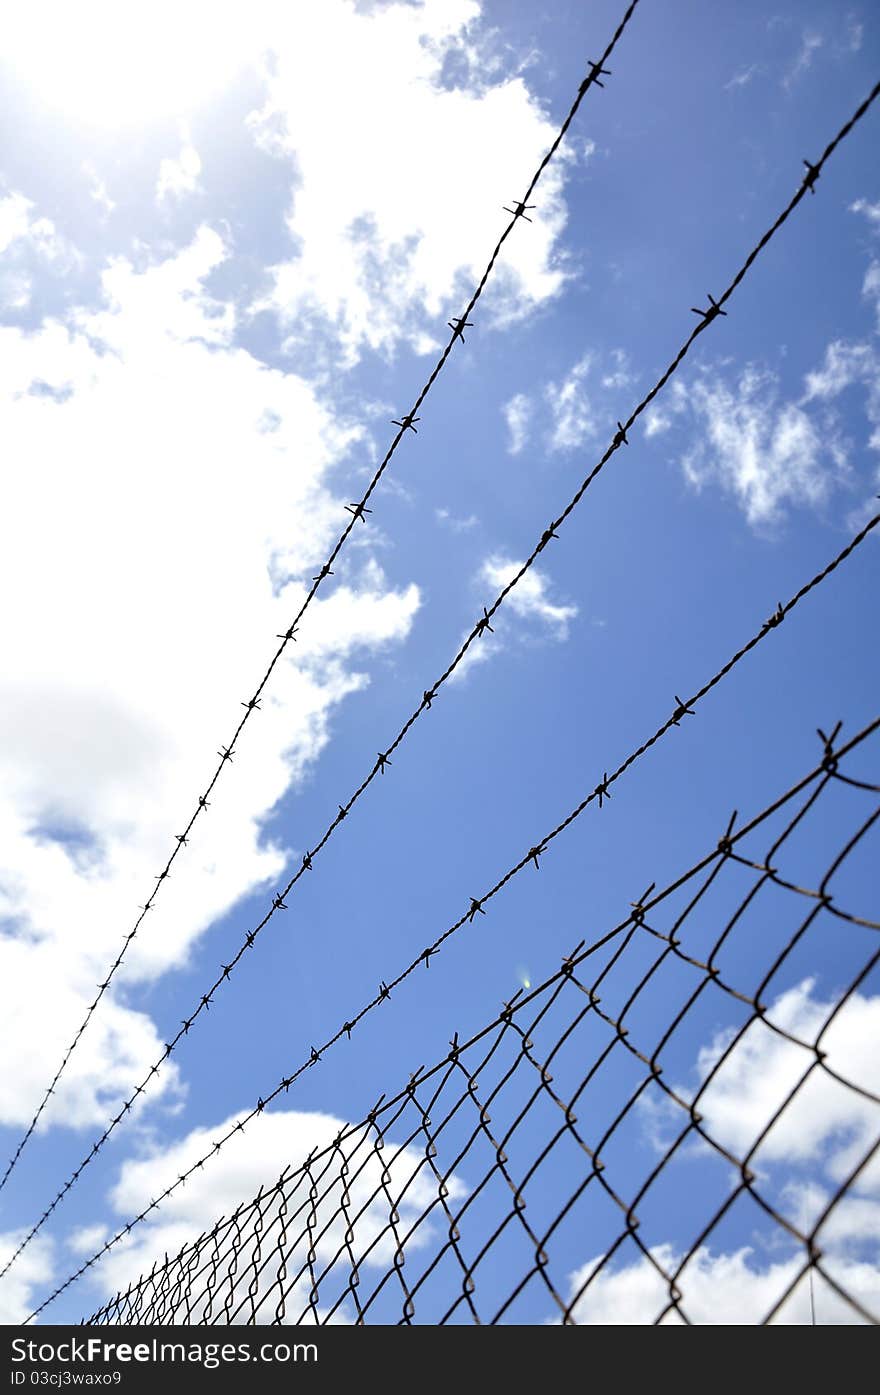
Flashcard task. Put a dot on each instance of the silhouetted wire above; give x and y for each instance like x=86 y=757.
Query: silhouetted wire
x=682 y=709
x=243 y=1248
x=357 y=512
x=477 y=905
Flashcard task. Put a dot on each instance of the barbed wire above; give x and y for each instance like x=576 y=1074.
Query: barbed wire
x=598 y=795
x=483 y=625
x=357 y=512
x=329 y=1215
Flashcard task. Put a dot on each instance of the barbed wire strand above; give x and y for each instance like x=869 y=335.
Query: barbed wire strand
x=477 y=905
x=706 y=317
x=482 y=625
x=722 y=854
x=357 y=512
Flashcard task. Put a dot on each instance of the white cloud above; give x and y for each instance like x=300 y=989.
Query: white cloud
x=17 y=225
x=156 y=539
x=767 y=453
x=719 y=1289
x=529 y=599
x=621 y=375
x=518 y=415
x=15 y=290
x=743 y=77
x=528 y=603
x=98 y=189
x=826 y=1123
x=179 y=176
x=871 y=211
x=272 y=1143
x=392 y=217
x=455 y=524
x=811 y=43
x=871 y=288
x=823 y=1133
x=32 y=1270
x=571 y=409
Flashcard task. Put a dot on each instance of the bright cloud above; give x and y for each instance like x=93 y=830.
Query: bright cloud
x=823 y=1134
x=31 y=1272
x=766 y=452
x=529 y=604
x=179 y=176
x=719 y=1289
x=810 y=45
x=518 y=415
x=274 y=1141
x=18 y=226
x=529 y=599
x=393 y=216
x=869 y=210
x=176 y=487
x=571 y=408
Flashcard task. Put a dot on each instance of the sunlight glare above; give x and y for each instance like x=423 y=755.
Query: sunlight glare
x=106 y=62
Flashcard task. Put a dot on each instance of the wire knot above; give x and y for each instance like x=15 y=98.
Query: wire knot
x=483 y=624
x=725 y=844
x=476 y=906
x=620 y=436
x=520 y=210
x=776 y=618
x=829 y=760
x=681 y=710
x=638 y=907
x=358 y=511
x=458 y=326
x=602 y=789
x=812 y=174
x=595 y=74
x=710 y=314
x=406 y=423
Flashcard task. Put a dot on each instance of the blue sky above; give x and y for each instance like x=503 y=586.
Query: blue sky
x=228 y=259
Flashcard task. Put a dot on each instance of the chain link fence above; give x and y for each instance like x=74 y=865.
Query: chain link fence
x=680 y=1124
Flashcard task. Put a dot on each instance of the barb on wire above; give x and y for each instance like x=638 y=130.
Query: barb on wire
x=388 y=1197
x=357 y=512
x=602 y=791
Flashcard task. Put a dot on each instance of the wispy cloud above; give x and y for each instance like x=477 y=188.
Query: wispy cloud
x=518 y=414
x=743 y=77
x=571 y=408
x=529 y=611
x=869 y=210
x=811 y=43
x=768 y=453
x=455 y=524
